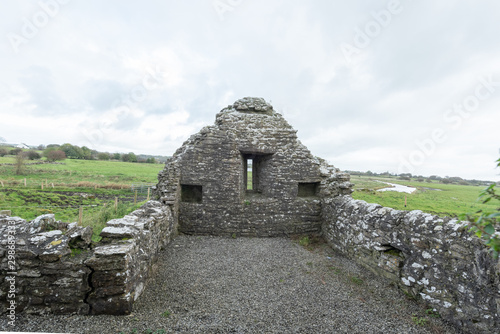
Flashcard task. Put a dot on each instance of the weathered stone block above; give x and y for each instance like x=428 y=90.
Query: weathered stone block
x=114 y=305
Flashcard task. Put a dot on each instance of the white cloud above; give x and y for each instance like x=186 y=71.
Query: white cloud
x=143 y=77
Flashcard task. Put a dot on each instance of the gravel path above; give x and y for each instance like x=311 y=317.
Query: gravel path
x=245 y=285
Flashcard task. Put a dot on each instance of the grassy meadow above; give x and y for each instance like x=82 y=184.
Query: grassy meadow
x=71 y=172
x=62 y=188
x=432 y=197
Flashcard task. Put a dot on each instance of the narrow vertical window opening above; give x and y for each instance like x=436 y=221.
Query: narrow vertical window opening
x=249 y=173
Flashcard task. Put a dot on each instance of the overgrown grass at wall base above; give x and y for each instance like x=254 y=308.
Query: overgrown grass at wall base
x=98 y=218
x=63 y=202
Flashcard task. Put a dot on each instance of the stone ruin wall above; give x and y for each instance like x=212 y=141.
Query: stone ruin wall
x=288 y=181
x=431 y=258
x=56 y=268
x=435 y=259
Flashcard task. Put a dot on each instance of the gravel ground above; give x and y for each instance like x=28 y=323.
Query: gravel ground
x=245 y=285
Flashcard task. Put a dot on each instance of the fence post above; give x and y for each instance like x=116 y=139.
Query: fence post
x=52 y=184
x=2 y=183
x=135 y=198
x=42 y=185
x=148 y=193
x=80 y=215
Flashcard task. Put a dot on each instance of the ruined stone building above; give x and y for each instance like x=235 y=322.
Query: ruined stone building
x=248 y=174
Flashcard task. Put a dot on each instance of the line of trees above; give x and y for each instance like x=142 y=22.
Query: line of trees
x=420 y=178
x=85 y=153
x=55 y=152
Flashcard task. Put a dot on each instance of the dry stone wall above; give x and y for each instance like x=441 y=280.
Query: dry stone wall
x=434 y=259
x=53 y=267
x=207 y=183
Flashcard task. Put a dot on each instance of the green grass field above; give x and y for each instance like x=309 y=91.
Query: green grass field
x=72 y=184
x=72 y=171
x=436 y=198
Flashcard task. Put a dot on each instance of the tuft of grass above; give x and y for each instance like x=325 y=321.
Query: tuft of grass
x=420 y=321
x=166 y=314
x=76 y=251
x=304 y=241
x=356 y=280
x=432 y=313
x=335 y=270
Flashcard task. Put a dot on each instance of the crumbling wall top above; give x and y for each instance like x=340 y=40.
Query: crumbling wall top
x=251 y=104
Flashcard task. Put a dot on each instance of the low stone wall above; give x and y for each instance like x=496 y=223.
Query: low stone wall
x=53 y=267
x=432 y=258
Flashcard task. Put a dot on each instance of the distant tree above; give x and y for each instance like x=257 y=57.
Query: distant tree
x=455 y=179
x=69 y=151
x=78 y=152
x=40 y=147
x=3 y=152
x=56 y=155
x=103 y=156
x=151 y=160
x=15 y=151
x=117 y=156
x=86 y=153
x=125 y=157
x=428 y=180
x=420 y=179
x=49 y=149
x=53 y=146
x=20 y=162
x=446 y=181
x=133 y=157
x=32 y=155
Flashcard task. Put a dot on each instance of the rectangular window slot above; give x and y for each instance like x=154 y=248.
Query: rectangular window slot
x=249 y=179
x=308 y=189
x=253 y=166
x=191 y=193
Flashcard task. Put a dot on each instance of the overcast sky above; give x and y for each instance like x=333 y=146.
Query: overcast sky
x=398 y=86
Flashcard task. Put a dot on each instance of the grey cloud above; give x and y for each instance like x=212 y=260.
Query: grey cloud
x=103 y=94
x=39 y=84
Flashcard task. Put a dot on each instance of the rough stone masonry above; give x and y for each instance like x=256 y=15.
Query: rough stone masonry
x=248 y=175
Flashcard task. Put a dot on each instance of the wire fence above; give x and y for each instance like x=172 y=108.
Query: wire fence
x=42 y=209
x=142 y=188
x=45 y=184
